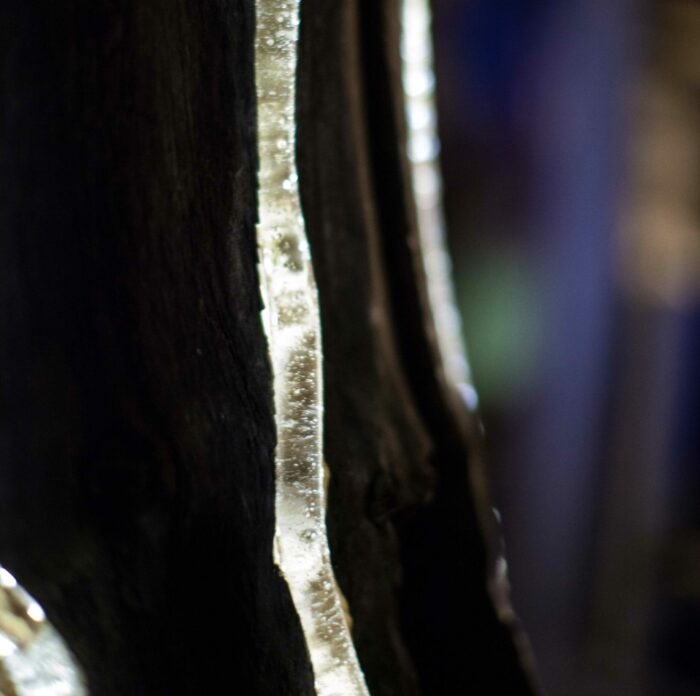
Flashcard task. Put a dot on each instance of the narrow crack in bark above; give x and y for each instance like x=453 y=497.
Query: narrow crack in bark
x=293 y=328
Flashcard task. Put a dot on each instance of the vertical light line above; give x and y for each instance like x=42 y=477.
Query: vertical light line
x=291 y=319
x=423 y=146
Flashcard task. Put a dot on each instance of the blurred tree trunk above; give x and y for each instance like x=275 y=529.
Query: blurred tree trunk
x=136 y=423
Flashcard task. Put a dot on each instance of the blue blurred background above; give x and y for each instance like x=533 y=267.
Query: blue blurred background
x=571 y=155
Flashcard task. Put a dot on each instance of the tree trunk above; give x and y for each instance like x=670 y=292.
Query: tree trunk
x=136 y=423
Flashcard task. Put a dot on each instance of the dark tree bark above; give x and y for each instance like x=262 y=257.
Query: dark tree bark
x=136 y=424
x=137 y=434
x=398 y=437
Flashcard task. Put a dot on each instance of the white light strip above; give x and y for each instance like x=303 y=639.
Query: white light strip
x=423 y=147
x=292 y=323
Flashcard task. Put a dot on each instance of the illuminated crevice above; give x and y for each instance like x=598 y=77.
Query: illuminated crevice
x=291 y=320
x=34 y=660
x=423 y=147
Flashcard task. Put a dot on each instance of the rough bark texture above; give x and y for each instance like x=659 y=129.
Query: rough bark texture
x=408 y=512
x=376 y=445
x=136 y=425
x=137 y=437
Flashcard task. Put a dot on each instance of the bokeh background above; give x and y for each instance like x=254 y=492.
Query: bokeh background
x=571 y=155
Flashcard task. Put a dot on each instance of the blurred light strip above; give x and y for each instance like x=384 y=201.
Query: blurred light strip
x=423 y=147
x=292 y=323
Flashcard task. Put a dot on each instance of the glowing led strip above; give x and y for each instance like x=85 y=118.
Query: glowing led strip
x=293 y=328
x=423 y=146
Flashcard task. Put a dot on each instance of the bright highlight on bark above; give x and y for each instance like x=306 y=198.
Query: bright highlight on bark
x=292 y=323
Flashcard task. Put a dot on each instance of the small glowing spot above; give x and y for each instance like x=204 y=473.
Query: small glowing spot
x=423 y=147
x=469 y=395
x=7 y=579
x=420 y=115
x=419 y=83
x=35 y=612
